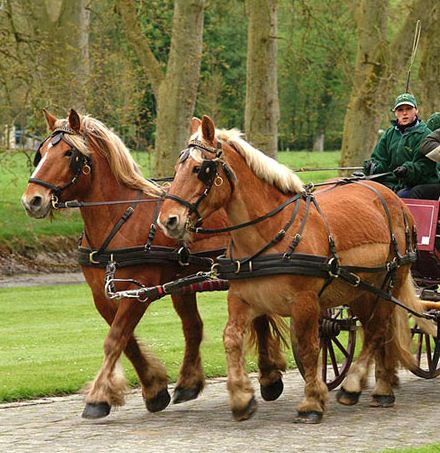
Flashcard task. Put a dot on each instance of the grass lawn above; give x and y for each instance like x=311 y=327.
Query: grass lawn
x=16 y=228
x=52 y=339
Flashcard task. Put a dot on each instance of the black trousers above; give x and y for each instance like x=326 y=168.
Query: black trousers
x=425 y=192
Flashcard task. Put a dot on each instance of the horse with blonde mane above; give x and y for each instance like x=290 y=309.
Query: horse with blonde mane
x=83 y=160
x=294 y=253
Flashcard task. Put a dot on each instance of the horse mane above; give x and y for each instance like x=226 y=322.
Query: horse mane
x=264 y=167
x=97 y=136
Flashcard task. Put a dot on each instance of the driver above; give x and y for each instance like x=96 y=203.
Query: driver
x=398 y=150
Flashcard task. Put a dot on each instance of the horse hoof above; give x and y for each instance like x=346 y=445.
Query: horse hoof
x=96 y=410
x=347 y=398
x=382 y=401
x=247 y=412
x=309 y=417
x=182 y=394
x=159 y=402
x=272 y=391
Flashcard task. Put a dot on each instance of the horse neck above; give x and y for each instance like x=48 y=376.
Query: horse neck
x=253 y=198
x=99 y=220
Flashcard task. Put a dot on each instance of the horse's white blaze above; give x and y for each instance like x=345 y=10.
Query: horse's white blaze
x=40 y=164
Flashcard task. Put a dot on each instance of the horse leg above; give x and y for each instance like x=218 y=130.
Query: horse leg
x=108 y=387
x=271 y=361
x=397 y=344
x=241 y=393
x=191 y=379
x=375 y=317
x=305 y=314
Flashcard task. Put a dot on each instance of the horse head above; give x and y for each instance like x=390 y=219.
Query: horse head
x=62 y=165
x=203 y=181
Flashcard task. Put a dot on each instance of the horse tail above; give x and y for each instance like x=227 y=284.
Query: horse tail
x=268 y=335
x=400 y=345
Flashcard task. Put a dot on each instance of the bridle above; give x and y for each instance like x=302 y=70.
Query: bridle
x=207 y=173
x=79 y=164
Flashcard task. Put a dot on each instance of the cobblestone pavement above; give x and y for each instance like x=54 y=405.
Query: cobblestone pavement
x=206 y=425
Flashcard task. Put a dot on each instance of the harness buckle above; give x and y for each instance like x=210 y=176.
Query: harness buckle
x=333 y=267
x=392 y=265
x=237 y=271
x=54 y=201
x=357 y=279
x=183 y=255
x=91 y=255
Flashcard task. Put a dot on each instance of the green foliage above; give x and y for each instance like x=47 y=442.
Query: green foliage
x=316 y=53
x=223 y=72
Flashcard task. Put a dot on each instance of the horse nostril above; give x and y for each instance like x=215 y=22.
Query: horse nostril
x=172 y=221
x=36 y=202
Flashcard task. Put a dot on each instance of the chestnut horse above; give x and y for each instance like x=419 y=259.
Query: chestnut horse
x=83 y=160
x=309 y=240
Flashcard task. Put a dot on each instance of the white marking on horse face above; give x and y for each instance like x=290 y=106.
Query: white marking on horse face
x=40 y=164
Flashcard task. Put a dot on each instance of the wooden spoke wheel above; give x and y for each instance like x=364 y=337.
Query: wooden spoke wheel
x=337 y=330
x=426 y=349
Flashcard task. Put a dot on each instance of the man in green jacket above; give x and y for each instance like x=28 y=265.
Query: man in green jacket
x=398 y=150
x=430 y=147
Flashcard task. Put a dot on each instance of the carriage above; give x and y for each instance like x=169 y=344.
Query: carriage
x=149 y=271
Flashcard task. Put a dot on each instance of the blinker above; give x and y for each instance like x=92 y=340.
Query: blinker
x=207 y=171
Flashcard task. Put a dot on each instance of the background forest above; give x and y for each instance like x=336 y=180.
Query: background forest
x=338 y=65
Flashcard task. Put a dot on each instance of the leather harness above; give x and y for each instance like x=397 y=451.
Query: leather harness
x=291 y=262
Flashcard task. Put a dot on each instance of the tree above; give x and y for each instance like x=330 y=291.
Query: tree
x=262 y=107
x=377 y=69
x=174 y=89
x=429 y=73
x=316 y=54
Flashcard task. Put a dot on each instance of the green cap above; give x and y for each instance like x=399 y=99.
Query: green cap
x=434 y=121
x=405 y=98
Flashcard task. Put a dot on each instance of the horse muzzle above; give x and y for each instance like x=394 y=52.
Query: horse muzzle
x=174 y=226
x=36 y=206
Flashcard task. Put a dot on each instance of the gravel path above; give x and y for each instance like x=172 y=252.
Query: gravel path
x=41 y=279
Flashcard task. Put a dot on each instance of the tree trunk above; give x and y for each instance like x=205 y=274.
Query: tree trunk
x=318 y=142
x=377 y=65
x=262 y=107
x=175 y=91
x=429 y=73
x=362 y=119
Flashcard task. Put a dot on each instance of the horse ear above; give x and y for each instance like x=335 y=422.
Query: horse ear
x=195 y=124
x=208 y=129
x=74 y=120
x=50 y=120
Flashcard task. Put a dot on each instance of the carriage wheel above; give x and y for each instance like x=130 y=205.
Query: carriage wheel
x=337 y=330
x=426 y=349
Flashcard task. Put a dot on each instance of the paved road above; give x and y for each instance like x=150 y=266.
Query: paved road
x=205 y=425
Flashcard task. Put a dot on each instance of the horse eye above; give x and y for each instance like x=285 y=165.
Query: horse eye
x=196 y=169
x=68 y=153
